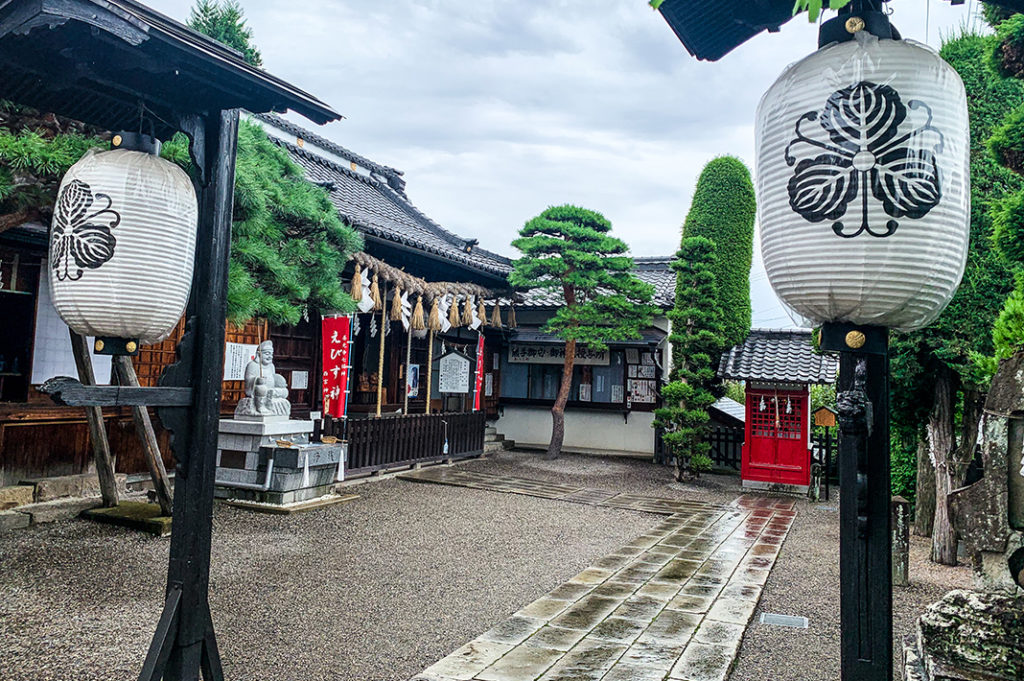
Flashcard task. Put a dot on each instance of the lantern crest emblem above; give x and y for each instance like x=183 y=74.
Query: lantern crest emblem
x=81 y=232
x=863 y=148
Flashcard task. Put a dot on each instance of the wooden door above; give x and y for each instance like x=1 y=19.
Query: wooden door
x=776 y=448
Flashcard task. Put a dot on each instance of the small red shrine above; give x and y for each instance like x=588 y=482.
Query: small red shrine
x=778 y=366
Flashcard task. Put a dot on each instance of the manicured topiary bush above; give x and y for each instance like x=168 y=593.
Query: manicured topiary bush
x=723 y=211
x=696 y=344
x=1007 y=142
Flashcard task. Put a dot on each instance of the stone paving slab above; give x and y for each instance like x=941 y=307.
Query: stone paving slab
x=671 y=605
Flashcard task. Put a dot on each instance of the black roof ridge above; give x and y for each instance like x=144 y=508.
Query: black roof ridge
x=397 y=194
x=653 y=258
x=403 y=203
x=327 y=145
x=136 y=12
x=407 y=205
x=316 y=158
x=800 y=331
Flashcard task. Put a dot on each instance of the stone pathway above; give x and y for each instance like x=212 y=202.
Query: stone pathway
x=671 y=604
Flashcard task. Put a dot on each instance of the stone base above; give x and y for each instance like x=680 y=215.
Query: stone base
x=274 y=497
x=779 y=487
x=60 y=487
x=135 y=515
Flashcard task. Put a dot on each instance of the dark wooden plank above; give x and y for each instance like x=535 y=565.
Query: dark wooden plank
x=147 y=436
x=72 y=393
x=94 y=415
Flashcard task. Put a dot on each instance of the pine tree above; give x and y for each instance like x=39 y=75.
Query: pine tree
x=569 y=250
x=288 y=245
x=225 y=23
x=35 y=151
x=723 y=211
x=696 y=344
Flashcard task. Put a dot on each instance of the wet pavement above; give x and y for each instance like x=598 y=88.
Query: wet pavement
x=671 y=604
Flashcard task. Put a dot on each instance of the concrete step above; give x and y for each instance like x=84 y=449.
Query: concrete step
x=495 y=437
x=490 y=430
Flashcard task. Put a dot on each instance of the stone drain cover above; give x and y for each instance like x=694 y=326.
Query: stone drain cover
x=777 y=620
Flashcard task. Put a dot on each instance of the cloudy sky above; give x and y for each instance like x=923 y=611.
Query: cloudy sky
x=497 y=109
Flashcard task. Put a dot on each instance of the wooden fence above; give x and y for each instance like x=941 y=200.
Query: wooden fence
x=726 y=446
x=402 y=440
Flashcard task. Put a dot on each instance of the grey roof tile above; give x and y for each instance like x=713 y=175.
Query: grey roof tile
x=377 y=205
x=778 y=356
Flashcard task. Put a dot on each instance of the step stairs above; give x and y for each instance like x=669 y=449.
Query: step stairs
x=495 y=441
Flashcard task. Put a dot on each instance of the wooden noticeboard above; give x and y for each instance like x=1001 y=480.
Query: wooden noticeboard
x=453 y=373
x=823 y=416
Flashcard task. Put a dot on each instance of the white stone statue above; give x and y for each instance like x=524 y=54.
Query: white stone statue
x=266 y=391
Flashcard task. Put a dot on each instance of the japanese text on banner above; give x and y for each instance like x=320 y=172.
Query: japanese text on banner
x=335 y=344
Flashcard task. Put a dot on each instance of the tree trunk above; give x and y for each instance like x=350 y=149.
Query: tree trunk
x=558 y=411
x=941 y=445
x=970 y=423
x=924 y=505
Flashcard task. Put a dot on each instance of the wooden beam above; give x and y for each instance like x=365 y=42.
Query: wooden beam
x=144 y=428
x=97 y=429
x=72 y=393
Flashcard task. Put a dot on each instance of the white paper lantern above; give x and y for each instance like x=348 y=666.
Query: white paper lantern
x=122 y=245
x=864 y=184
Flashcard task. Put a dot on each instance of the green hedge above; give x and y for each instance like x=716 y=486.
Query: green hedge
x=723 y=211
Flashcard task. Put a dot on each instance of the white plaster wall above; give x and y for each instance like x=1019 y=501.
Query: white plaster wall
x=584 y=429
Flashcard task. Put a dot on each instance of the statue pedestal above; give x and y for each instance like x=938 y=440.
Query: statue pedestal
x=252 y=467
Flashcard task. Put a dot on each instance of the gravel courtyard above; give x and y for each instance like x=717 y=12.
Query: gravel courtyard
x=381 y=587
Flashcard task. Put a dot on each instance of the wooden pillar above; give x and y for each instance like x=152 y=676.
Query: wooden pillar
x=184 y=643
x=901 y=522
x=865 y=549
x=105 y=462
x=380 y=358
x=147 y=436
x=430 y=366
x=408 y=359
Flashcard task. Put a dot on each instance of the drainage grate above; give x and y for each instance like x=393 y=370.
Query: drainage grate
x=777 y=620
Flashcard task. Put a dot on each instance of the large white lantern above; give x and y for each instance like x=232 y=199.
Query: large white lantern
x=122 y=246
x=863 y=183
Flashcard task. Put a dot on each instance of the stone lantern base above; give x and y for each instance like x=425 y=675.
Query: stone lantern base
x=253 y=466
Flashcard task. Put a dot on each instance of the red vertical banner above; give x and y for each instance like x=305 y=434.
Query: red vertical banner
x=336 y=332
x=479 y=372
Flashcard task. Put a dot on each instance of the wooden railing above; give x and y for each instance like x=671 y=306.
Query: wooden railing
x=401 y=440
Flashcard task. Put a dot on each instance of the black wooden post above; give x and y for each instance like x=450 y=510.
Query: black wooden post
x=865 y=552
x=184 y=641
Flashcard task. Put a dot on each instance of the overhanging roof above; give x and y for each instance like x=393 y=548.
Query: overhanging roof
x=710 y=29
x=372 y=198
x=778 y=356
x=96 y=60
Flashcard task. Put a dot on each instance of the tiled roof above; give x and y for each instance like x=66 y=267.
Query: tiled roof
x=731 y=408
x=531 y=334
x=375 y=203
x=654 y=270
x=778 y=356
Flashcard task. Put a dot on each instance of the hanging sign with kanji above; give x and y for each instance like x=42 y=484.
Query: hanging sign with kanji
x=479 y=372
x=336 y=333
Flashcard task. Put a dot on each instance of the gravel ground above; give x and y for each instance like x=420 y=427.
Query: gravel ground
x=382 y=587
x=805 y=581
x=378 y=588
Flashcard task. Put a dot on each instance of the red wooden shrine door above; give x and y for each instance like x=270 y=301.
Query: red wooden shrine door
x=775 y=450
